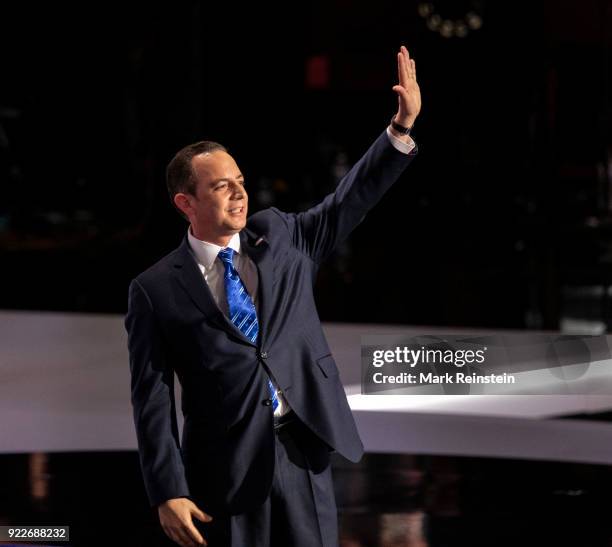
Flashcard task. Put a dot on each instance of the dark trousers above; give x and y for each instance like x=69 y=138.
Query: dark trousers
x=300 y=510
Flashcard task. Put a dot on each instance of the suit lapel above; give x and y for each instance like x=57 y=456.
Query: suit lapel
x=190 y=278
x=258 y=250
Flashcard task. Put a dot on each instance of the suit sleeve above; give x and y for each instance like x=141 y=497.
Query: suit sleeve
x=152 y=395
x=317 y=231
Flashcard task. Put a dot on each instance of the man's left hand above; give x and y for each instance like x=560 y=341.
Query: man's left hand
x=408 y=92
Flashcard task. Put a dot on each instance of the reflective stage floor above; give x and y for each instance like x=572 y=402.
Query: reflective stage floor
x=384 y=501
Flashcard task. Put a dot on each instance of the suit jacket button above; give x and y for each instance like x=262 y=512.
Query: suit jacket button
x=264 y=355
x=267 y=402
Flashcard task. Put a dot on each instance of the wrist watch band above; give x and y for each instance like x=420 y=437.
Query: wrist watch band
x=400 y=128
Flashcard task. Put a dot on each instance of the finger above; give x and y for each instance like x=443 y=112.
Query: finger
x=179 y=536
x=170 y=533
x=175 y=536
x=401 y=73
x=407 y=65
x=195 y=535
x=201 y=515
x=401 y=92
x=184 y=539
x=411 y=71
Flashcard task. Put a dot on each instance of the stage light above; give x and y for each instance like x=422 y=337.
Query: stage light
x=452 y=26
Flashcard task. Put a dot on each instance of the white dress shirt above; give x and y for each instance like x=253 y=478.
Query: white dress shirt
x=405 y=147
x=213 y=270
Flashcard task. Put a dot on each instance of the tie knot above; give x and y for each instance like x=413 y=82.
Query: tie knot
x=227 y=255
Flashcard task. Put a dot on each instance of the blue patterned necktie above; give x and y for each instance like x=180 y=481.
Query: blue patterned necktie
x=241 y=308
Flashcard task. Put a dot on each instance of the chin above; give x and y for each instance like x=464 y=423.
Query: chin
x=234 y=228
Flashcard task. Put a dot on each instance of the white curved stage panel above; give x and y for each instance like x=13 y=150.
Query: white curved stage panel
x=65 y=386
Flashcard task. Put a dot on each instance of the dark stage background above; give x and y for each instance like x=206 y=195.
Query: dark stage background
x=503 y=220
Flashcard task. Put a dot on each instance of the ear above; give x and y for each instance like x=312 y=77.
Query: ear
x=182 y=203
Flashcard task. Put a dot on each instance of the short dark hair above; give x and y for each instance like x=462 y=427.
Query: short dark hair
x=180 y=177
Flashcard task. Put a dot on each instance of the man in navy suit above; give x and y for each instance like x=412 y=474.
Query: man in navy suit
x=231 y=312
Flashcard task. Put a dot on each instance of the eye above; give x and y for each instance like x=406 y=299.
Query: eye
x=221 y=186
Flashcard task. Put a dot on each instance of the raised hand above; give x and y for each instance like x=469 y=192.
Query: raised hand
x=408 y=92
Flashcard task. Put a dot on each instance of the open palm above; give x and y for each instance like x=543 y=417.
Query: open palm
x=408 y=92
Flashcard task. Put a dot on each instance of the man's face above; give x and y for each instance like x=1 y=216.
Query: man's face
x=219 y=209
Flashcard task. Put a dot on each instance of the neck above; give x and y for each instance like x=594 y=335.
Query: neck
x=220 y=240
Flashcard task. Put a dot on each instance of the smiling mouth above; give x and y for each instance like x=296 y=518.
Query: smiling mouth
x=236 y=210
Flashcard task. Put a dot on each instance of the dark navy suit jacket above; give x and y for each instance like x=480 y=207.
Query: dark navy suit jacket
x=225 y=458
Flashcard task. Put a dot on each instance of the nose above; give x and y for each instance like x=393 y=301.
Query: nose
x=237 y=189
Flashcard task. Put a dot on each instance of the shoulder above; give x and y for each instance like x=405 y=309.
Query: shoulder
x=266 y=219
x=270 y=223
x=159 y=271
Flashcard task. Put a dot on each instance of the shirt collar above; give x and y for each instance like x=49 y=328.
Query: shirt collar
x=206 y=252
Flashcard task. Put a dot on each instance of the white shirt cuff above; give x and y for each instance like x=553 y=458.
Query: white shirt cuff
x=398 y=144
